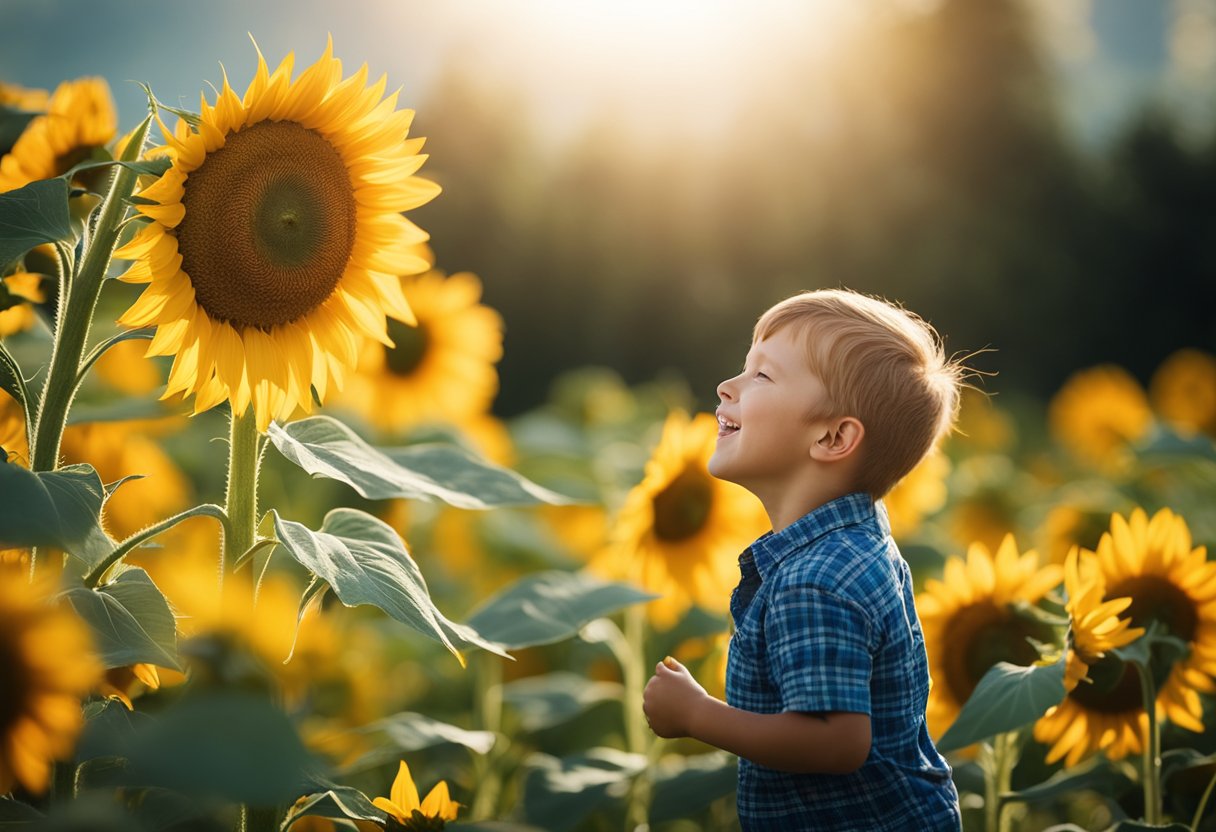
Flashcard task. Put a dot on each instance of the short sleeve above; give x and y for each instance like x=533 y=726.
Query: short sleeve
x=818 y=645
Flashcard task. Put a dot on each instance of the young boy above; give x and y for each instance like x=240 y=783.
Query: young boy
x=826 y=680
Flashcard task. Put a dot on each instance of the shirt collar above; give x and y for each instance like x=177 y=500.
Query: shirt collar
x=849 y=510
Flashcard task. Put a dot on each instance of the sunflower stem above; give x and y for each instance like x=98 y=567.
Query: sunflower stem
x=1152 y=747
x=1203 y=804
x=78 y=297
x=998 y=760
x=636 y=735
x=241 y=500
x=488 y=679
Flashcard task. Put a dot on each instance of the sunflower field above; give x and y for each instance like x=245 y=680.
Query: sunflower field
x=268 y=561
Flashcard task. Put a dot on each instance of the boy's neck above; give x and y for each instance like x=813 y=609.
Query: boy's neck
x=786 y=505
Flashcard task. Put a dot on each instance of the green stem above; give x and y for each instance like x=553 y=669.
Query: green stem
x=241 y=500
x=76 y=313
x=637 y=736
x=1203 y=804
x=98 y=572
x=1152 y=749
x=259 y=819
x=1000 y=758
x=488 y=714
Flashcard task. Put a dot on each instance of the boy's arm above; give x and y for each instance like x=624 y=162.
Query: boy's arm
x=830 y=743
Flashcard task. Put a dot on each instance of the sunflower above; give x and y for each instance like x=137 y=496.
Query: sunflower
x=1095 y=628
x=920 y=493
x=17 y=97
x=47 y=664
x=403 y=805
x=124 y=368
x=680 y=531
x=971 y=620
x=1183 y=391
x=441 y=370
x=277 y=240
x=1151 y=562
x=21 y=317
x=982 y=426
x=1099 y=413
x=80 y=118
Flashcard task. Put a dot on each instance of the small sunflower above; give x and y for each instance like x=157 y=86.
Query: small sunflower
x=442 y=369
x=680 y=531
x=80 y=119
x=971 y=621
x=21 y=317
x=124 y=368
x=410 y=813
x=920 y=493
x=1095 y=628
x=47 y=664
x=277 y=240
x=1153 y=563
x=1099 y=413
x=982 y=426
x=1183 y=391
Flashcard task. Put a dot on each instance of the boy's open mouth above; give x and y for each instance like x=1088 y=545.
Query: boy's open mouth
x=726 y=427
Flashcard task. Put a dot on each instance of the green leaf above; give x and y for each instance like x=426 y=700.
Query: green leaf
x=108 y=729
x=1156 y=651
x=130 y=619
x=60 y=509
x=549 y=700
x=1095 y=775
x=1143 y=826
x=685 y=786
x=407 y=732
x=144 y=167
x=365 y=562
x=325 y=447
x=234 y=745
x=547 y=607
x=32 y=215
x=558 y=794
x=15 y=812
x=336 y=802
x=1008 y=697
x=12 y=381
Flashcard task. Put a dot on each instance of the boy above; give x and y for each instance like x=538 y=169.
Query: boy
x=826 y=680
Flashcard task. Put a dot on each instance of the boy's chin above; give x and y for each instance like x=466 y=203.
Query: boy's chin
x=719 y=469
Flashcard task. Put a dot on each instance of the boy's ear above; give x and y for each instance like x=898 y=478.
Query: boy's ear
x=838 y=440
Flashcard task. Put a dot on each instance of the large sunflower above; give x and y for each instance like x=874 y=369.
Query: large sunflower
x=47 y=664
x=1099 y=413
x=441 y=370
x=80 y=118
x=680 y=531
x=971 y=621
x=1151 y=562
x=1095 y=628
x=277 y=240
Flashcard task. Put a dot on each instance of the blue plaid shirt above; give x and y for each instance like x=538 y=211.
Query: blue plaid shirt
x=824 y=621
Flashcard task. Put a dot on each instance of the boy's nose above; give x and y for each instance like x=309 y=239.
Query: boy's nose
x=724 y=390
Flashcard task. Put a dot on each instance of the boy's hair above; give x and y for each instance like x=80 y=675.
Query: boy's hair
x=881 y=364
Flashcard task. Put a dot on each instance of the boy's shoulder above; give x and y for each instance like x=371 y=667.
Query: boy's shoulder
x=848 y=559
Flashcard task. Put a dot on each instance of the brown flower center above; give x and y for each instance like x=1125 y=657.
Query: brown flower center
x=1156 y=598
x=269 y=226
x=410 y=345
x=682 y=508
x=982 y=634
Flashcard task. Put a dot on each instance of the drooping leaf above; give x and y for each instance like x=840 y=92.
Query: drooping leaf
x=131 y=621
x=31 y=215
x=1007 y=697
x=549 y=700
x=1097 y=775
x=337 y=802
x=546 y=607
x=364 y=561
x=60 y=509
x=228 y=744
x=325 y=447
x=407 y=732
x=108 y=729
x=559 y=793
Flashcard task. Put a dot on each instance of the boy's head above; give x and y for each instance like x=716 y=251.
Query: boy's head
x=877 y=363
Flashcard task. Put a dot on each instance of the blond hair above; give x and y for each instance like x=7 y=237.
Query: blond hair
x=881 y=364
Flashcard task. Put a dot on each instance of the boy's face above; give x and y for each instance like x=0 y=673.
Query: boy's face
x=765 y=419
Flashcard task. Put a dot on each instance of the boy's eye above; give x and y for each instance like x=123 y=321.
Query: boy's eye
x=763 y=376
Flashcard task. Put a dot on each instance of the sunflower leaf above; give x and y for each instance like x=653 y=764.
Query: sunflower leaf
x=546 y=607
x=325 y=447
x=131 y=621
x=364 y=561
x=144 y=167
x=1007 y=697
x=60 y=509
x=559 y=793
x=12 y=124
x=685 y=786
x=407 y=732
x=191 y=118
x=337 y=802
x=555 y=698
x=32 y=215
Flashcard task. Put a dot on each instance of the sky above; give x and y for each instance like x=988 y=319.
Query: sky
x=678 y=63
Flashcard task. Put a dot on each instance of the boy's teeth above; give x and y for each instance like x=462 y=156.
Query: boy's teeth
x=727 y=424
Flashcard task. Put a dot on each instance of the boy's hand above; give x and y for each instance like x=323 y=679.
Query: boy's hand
x=671 y=697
